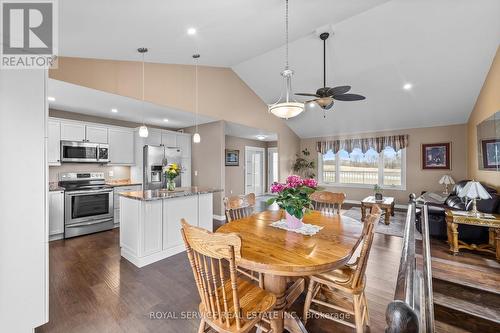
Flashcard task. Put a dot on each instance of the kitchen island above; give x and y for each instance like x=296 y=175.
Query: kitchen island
x=150 y=221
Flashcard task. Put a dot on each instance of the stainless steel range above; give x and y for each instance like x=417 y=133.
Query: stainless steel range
x=88 y=203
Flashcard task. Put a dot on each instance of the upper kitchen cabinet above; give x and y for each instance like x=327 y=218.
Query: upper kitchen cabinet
x=154 y=138
x=54 y=142
x=121 y=146
x=184 y=142
x=169 y=139
x=96 y=134
x=72 y=131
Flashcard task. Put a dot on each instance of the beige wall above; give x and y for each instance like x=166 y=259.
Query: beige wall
x=119 y=172
x=207 y=159
x=417 y=180
x=222 y=94
x=487 y=104
x=235 y=175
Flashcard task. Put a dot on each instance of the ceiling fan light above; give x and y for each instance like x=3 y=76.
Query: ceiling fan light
x=286 y=110
x=143 y=131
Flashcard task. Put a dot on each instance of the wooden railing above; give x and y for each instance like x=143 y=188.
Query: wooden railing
x=362 y=177
x=412 y=309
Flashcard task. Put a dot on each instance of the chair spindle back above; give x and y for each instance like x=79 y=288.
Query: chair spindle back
x=326 y=201
x=240 y=206
x=207 y=252
x=362 y=261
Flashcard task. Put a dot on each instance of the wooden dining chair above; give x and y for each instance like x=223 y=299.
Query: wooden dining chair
x=350 y=280
x=238 y=207
x=228 y=303
x=327 y=201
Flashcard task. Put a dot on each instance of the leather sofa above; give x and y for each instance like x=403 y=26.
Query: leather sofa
x=468 y=233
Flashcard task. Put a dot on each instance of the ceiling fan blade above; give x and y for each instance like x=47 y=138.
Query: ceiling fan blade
x=306 y=94
x=322 y=92
x=338 y=90
x=349 y=97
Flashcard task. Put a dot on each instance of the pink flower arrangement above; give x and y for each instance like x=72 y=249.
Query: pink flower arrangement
x=293 y=195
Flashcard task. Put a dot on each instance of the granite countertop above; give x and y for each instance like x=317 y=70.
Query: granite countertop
x=121 y=182
x=150 y=195
x=54 y=186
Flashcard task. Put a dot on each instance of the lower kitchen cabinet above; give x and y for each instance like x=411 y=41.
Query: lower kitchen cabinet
x=116 y=203
x=56 y=215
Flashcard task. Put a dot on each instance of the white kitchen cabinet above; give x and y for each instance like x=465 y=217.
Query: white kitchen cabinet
x=186 y=172
x=96 y=134
x=184 y=142
x=121 y=146
x=154 y=138
x=72 y=131
x=54 y=143
x=169 y=139
x=205 y=209
x=116 y=199
x=173 y=211
x=56 y=215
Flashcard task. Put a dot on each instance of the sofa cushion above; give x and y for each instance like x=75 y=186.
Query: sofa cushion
x=455 y=202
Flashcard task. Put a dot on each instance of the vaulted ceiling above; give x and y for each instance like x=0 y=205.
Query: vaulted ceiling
x=444 y=48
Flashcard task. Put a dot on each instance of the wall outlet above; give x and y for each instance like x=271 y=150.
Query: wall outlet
x=111 y=173
x=196 y=173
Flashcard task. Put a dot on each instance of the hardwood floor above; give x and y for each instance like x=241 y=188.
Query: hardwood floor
x=92 y=289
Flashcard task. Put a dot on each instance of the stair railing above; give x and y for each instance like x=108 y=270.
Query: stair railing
x=412 y=310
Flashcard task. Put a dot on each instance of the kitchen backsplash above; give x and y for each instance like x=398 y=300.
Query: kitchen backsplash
x=119 y=172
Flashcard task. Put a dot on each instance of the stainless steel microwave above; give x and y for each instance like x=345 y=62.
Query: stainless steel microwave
x=84 y=152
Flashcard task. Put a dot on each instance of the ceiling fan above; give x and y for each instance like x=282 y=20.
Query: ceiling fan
x=326 y=95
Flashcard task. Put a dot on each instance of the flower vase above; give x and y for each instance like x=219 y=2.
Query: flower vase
x=170 y=185
x=293 y=222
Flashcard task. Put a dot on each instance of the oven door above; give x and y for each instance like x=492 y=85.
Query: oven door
x=88 y=206
x=79 y=151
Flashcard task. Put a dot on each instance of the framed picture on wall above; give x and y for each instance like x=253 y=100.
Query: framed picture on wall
x=491 y=153
x=436 y=156
x=232 y=157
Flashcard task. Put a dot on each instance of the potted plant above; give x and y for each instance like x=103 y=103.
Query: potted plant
x=303 y=166
x=293 y=198
x=378 y=193
x=172 y=171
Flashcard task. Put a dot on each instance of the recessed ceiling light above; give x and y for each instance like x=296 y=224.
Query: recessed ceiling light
x=165 y=120
x=191 y=31
x=407 y=86
x=261 y=137
x=114 y=110
x=51 y=99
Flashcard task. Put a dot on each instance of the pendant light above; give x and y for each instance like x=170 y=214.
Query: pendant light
x=143 y=130
x=196 y=136
x=286 y=108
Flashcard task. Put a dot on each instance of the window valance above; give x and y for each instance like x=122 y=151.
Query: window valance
x=397 y=142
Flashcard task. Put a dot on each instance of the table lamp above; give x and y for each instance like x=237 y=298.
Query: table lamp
x=474 y=190
x=446 y=180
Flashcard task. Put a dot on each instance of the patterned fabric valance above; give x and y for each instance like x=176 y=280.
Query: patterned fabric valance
x=397 y=142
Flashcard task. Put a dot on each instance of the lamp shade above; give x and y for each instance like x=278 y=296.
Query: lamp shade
x=447 y=180
x=143 y=131
x=287 y=109
x=474 y=190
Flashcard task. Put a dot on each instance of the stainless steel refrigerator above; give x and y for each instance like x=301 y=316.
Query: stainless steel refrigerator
x=155 y=159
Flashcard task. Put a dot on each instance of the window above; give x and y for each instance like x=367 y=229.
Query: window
x=356 y=169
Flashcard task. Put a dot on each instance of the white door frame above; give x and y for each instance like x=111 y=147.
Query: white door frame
x=263 y=163
x=270 y=151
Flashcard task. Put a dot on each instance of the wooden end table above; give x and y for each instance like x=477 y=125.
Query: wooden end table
x=386 y=204
x=454 y=218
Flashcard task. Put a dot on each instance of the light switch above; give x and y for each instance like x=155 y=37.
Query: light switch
x=196 y=172
x=111 y=173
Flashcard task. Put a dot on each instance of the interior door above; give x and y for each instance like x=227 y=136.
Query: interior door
x=272 y=166
x=254 y=170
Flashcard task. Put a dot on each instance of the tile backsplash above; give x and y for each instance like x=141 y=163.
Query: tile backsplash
x=119 y=172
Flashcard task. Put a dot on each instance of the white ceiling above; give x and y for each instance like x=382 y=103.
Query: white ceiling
x=443 y=47
x=74 y=98
x=246 y=132
x=229 y=31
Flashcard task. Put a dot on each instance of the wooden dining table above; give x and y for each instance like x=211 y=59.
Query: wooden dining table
x=280 y=254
